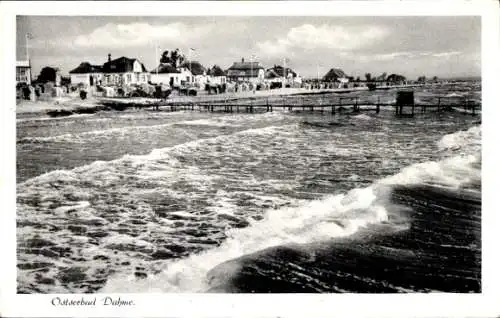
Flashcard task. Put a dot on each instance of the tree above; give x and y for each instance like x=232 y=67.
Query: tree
x=358 y=79
x=434 y=79
x=421 y=79
x=165 y=58
x=368 y=77
x=383 y=77
x=174 y=58
x=47 y=74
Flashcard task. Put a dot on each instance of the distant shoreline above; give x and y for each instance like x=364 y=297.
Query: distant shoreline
x=65 y=106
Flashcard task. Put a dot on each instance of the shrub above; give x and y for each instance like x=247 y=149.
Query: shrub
x=26 y=92
x=83 y=95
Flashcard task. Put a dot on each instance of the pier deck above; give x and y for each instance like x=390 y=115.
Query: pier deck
x=302 y=104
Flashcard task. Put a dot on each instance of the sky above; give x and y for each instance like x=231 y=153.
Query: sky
x=443 y=46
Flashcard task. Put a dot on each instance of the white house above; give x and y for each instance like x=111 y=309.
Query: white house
x=167 y=74
x=23 y=72
x=277 y=74
x=195 y=73
x=87 y=74
x=124 y=71
x=216 y=75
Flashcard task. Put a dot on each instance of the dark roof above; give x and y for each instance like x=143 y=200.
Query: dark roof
x=243 y=66
x=195 y=67
x=85 y=68
x=395 y=78
x=334 y=73
x=216 y=71
x=277 y=71
x=165 y=68
x=121 y=65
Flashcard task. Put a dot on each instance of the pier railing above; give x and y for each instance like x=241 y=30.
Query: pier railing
x=314 y=104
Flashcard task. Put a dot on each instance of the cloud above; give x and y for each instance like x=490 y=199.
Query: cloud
x=114 y=35
x=308 y=36
x=402 y=55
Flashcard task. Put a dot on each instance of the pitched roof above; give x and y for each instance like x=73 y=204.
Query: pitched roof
x=395 y=78
x=335 y=73
x=243 y=66
x=277 y=71
x=165 y=68
x=86 y=67
x=216 y=71
x=195 y=67
x=121 y=65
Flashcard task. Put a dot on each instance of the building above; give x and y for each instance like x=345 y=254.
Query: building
x=195 y=73
x=216 y=75
x=166 y=74
x=23 y=72
x=124 y=71
x=335 y=75
x=87 y=74
x=396 y=79
x=246 y=72
x=277 y=73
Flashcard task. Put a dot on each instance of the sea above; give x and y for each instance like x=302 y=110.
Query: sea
x=266 y=202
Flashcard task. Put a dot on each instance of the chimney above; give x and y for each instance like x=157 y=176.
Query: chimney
x=242 y=60
x=109 y=57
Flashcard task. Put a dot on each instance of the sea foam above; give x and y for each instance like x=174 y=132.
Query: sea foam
x=317 y=220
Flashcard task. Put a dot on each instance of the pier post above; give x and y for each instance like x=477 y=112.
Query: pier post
x=340 y=102
x=267 y=104
x=333 y=109
x=439 y=104
x=356 y=107
x=473 y=109
x=302 y=101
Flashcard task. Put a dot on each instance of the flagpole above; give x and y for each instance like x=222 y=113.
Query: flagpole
x=190 y=65
x=27 y=52
x=156 y=57
x=284 y=71
x=251 y=68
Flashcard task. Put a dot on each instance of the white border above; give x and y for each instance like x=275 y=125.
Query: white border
x=296 y=305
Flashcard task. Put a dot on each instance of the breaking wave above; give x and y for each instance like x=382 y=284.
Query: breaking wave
x=331 y=217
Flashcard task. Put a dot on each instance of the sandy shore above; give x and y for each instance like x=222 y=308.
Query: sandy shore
x=73 y=103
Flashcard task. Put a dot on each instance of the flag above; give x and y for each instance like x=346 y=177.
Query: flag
x=191 y=49
x=29 y=35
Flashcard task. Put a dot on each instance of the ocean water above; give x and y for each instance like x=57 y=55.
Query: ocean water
x=145 y=201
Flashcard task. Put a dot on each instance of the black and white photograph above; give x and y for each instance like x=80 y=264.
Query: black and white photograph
x=248 y=154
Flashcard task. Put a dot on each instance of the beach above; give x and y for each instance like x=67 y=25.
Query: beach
x=74 y=103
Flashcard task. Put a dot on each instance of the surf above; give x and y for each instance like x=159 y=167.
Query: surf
x=334 y=216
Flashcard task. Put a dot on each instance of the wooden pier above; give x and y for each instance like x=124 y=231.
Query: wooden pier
x=331 y=105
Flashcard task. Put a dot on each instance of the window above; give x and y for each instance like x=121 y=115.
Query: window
x=137 y=77
x=129 y=78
